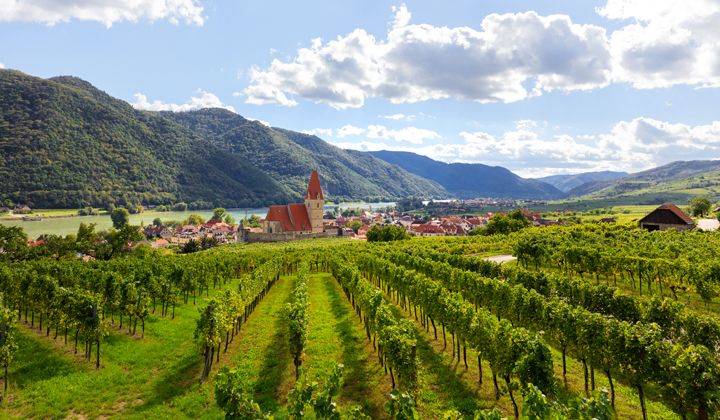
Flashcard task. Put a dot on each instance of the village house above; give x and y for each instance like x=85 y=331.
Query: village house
x=667 y=216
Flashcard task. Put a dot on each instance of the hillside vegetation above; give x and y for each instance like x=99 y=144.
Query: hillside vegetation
x=66 y=144
x=675 y=182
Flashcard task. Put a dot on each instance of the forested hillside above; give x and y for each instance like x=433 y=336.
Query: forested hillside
x=289 y=157
x=66 y=144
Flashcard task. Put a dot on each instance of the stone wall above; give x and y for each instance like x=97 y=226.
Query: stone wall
x=251 y=237
x=665 y=226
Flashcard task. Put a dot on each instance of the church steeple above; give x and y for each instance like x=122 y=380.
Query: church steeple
x=314 y=191
x=315 y=202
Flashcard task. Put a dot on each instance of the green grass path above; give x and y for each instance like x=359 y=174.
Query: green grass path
x=335 y=335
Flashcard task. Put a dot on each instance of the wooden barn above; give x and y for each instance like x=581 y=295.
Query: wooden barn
x=667 y=216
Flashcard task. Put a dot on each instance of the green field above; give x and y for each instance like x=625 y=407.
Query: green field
x=158 y=376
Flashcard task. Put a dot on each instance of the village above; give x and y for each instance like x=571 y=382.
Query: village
x=312 y=219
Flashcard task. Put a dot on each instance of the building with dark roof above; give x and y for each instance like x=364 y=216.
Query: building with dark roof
x=667 y=216
x=299 y=218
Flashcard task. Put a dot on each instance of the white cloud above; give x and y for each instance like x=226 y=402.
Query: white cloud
x=263 y=122
x=412 y=135
x=2 y=66
x=320 y=132
x=666 y=43
x=349 y=131
x=398 y=117
x=106 y=12
x=509 y=58
x=407 y=134
x=633 y=145
x=202 y=100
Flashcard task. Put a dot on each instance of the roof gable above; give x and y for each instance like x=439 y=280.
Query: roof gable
x=668 y=213
x=292 y=218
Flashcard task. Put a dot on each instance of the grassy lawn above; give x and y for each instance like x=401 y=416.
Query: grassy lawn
x=42 y=213
x=336 y=336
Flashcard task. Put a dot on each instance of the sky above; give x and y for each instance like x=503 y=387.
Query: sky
x=540 y=87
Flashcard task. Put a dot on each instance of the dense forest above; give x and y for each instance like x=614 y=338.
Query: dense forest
x=66 y=144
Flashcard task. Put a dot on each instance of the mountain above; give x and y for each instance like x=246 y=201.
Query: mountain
x=65 y=144
x=675 y=182
x=465 y=180
x=565 y=183
x=289 y=157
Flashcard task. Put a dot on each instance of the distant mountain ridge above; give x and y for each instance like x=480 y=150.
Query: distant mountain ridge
x=465 y=180
x=651 y=180
x=565 y=183
x=67 y=144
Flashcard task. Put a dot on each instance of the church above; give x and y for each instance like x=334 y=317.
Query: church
x=299 y=218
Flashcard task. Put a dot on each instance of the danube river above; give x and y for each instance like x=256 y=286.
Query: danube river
x=66 y=225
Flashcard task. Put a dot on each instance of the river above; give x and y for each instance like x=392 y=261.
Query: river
x=66 y=225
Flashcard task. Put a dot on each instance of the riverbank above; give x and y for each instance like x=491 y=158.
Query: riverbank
x=62 y=222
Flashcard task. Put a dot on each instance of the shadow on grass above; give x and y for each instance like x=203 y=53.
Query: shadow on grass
x=357 y=376
x=37 y=361
x=277 y=361
x=445 y=381
x=179 y=379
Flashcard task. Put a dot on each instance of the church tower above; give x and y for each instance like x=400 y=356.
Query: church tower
x=315 y=202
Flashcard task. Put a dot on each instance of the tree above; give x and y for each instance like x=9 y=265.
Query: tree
x=120 y=217
x=157 y=222
x=219 y=214
x=386 y=234
x=229 y=220
x=700 y=206
x=191 y=246
x=503 y=224
x=13 y=243
x=252 y=221
x=194 y=219
x=181 y=206
x=355 y=225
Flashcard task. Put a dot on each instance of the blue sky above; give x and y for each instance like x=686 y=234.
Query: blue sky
x=540 y=87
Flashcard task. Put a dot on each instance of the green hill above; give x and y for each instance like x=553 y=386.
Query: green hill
x=676 y=182
x=66 y=144
x=289 y=157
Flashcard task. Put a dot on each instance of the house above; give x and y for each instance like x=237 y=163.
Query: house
x=299 y=218
x=667 y=216
x=429 y=230
x=160 y=243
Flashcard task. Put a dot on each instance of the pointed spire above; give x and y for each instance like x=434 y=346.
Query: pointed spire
x=314 y=191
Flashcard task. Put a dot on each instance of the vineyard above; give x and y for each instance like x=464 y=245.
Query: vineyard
x=590 y=322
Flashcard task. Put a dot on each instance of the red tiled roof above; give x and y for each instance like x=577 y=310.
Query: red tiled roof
x=292 y=218
x=314 y=191
x=428 y=228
